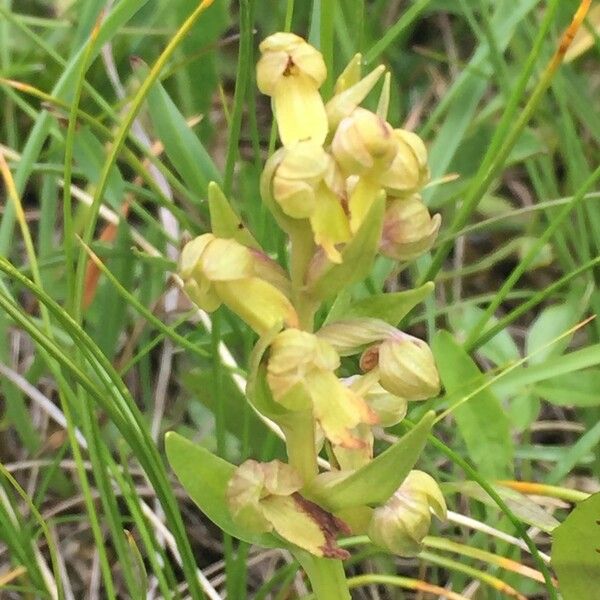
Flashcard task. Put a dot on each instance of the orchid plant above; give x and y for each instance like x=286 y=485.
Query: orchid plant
x=344 y=187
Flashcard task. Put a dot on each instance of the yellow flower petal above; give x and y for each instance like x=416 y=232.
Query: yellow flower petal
x=305 y=524
x=362 y=197
x=330 y=224
x=337 y=409
x=192 y=252
x=258 y=303
x=226 y=260
x=299 y=111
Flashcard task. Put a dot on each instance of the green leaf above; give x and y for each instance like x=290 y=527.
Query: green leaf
x=550 y=324
x=138 y=565
x=501 y=349
x=375 y=482
x=576 y=551
x=182 y=146
x=571 y=362
x=391 y=308
x=357 y=257
x=572 y=389
x=90 y=155
x=204 y=477
x=522 y=506
x=224 y=221
x=481 y=421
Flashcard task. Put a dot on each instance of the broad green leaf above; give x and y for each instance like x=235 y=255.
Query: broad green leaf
x=374 y=483
x=481 y=420
x=522 y=506
x=391 y=308
x=501 y=349
x=357 y=257
x=576 y=551
x=182 y=146
x=204 y=477
x=572 y=389
x=523 y=410
x=224 y=220
x=551 y=323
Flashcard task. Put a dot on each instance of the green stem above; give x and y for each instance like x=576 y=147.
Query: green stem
x=301 y=446
x=302 y=252
x=327 y=577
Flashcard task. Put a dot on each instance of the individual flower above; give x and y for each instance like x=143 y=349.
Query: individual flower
x=363 y=144
x=301 y=375
x=306 y=184
x=409 y=171
x=364 y=148
x=390 y=409
x=291 y=72
x=219 y=271
x=408 y=229
x=401 y=524
x=405 y=365
x=264 y=498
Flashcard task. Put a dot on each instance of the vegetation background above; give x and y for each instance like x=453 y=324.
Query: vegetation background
x=114 y=116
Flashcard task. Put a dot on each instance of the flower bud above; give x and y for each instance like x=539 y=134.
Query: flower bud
x=300 y=374
x=263 y=497
x=406 y=367
x=291 y=72
x=401 y=524
x=363 y=144
x=408 y=229
x=409 y=171
x=217 y=270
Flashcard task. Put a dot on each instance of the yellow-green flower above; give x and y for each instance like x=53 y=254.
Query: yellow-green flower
x=363 y=144
x=306 y=184
x=219 y=271
x=409 y=171
x=408 y=229
x=301 y=376
x=405 y=365
x=401 y=524
x=291 y=72
x=264 y=498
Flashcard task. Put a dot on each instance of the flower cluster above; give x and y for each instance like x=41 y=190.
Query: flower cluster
x=344 y=186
